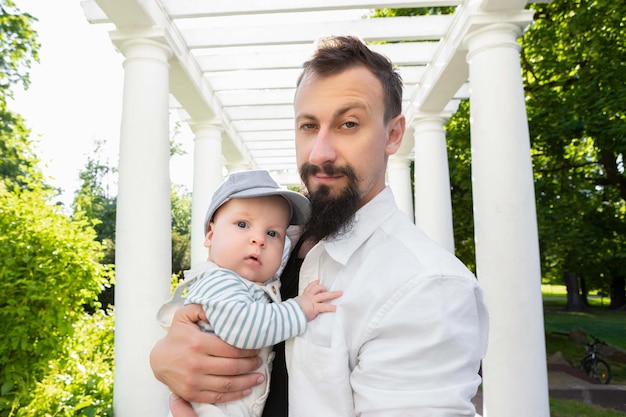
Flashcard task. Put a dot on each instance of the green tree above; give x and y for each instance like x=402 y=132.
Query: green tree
x=460 y=166
x=50 y=268
x=80 y=380
x=574 y=66
x=181 y=214
x=94 y=200
x=181 y=229
x=574 y=69
x=18 y=50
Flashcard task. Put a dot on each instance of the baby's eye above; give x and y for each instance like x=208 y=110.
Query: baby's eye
x=242 y=224
x=272 y=233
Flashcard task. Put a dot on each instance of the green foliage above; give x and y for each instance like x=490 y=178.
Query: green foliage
x=18 y=165
x=419 y=11
x=460 y=166
x=574 y=72
x=18 y=49
x=18 y=46
x=181 y=220
x=49 y=269
x=574 y=66
x=80 y=380
x=93 y=199
x=94 y=203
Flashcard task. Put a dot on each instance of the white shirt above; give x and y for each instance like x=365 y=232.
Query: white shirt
x=409 y=332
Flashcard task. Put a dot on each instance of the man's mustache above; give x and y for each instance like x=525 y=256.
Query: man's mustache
x=327 y=169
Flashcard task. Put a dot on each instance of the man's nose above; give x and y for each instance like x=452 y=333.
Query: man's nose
x=323 y=149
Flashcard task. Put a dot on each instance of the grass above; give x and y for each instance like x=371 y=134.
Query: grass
x=598 y=321
x=569 y=408
x=607 y=325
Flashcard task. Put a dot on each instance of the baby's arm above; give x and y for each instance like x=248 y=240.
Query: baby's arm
x=313 y=298
x=247 y=323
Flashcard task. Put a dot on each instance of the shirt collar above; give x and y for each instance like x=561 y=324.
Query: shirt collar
x=367 y=219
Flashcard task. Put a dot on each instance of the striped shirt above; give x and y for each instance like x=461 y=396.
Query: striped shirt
x=242 y=313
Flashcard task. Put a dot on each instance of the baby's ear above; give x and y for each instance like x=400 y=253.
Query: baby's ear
x=209 y=235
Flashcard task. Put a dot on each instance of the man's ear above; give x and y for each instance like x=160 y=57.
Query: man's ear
x=395 y=132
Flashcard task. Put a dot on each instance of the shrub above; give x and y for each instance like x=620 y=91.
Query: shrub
x=79 y=382
x=49 y=270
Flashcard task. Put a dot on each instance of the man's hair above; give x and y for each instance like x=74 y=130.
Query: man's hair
x=336 y=54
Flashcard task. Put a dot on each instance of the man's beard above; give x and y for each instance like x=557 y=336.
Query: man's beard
x=330 y=216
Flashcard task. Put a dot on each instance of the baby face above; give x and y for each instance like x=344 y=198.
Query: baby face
x=247 y=236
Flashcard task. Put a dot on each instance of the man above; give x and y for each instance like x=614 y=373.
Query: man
x=411 y=328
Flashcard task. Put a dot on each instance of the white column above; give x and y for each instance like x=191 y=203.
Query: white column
x=433 y=205
x=143 y=239
x=207 y=176
x=399 y=178
x=507 y=249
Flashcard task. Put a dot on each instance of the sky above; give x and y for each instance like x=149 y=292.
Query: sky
x=75 y=95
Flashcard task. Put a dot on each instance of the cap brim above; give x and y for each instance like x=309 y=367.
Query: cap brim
x=300 y=206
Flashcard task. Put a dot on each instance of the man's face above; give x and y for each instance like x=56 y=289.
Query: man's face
x=340 y=127
x=342 y=145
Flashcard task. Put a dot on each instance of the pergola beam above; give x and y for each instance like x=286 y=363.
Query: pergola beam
x=391 y=29
x=292 y=56
x=193 y=8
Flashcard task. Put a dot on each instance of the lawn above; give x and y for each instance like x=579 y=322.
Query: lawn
x=569 y=408
x=598 y=321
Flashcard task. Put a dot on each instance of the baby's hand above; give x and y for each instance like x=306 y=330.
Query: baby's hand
x=313 y=298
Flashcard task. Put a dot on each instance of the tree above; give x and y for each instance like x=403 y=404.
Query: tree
x=574 y=70
x=181 y=230
x=18 y=50
x=574 y=65
x=80 y=380
x=94 y=200
x=50 y=268
x=460 y=166
x=49 y=264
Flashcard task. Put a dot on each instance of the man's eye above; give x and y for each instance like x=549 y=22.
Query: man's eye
x=242 y=224
x=350 y=125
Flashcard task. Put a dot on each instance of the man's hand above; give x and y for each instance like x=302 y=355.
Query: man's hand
x=199 y=366
x=180 y=407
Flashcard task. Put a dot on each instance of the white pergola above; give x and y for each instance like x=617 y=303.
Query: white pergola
x=229 y=69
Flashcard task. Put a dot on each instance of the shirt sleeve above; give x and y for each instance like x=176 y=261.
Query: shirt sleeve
x=423 y=356
x=240 y=313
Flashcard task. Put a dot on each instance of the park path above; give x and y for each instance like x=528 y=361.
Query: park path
x=569 y=383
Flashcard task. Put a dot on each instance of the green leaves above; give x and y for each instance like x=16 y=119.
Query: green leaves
x=18 y=50
x=574 y=65
x=49 y=269
x=79 y=382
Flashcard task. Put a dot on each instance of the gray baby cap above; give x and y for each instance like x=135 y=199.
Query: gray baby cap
x=256 y=183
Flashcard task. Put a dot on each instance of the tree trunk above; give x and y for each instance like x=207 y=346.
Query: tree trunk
x=618 y=292
x=574 y=300
x=584 y=292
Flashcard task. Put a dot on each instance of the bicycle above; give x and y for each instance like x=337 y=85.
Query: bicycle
x=598 y=369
